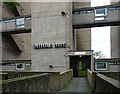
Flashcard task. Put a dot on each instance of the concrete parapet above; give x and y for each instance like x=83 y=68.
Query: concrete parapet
x=65 y=77
x=106 y=84
x=91 y=79
x=36 y=83
x=55 y=80
x=102 y=84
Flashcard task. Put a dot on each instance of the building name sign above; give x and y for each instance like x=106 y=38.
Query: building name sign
x=48 y=46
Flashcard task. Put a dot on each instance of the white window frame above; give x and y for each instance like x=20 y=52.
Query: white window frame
x=100 y=68
x=101 y=15
x=20 y=68
x=18 y=20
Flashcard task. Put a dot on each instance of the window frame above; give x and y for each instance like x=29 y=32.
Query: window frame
x=100 y=69
x=20 y=68
x=101 y=13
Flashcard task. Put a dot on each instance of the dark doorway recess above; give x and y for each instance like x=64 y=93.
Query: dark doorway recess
x=80 y=64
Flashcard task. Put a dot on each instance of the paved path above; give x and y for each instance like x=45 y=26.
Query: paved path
x=77 y=85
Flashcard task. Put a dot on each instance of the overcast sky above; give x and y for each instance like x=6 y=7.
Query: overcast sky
x=101 y=35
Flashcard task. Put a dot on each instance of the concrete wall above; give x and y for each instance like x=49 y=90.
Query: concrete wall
x=65 y=77
x=91 y=80
x=82 y=36
x=50 y=26
x=11 y=53
x=12 y=27
x=57 y=80
x=81 y=19
x=115 y=39
x=6 y=12
x=114 y=68
x=36 y=83
x=110 y=67
x=106 y=84
x=114 y=75
x=82 y=4
x=8 y=48
x=83 y=39
x=24 y=8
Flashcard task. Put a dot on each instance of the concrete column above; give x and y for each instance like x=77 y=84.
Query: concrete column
x=49 y=26
x=115 y=39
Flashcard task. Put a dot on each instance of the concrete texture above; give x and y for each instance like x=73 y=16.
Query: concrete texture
x=24 y=8
x=114 y=75
x=85 y=18
x=65 y=77
x=83 y=39
x=11 y=53
x=56 y=80
x=6 y=10
x=91 y=80
x=88 y=19
x=115 y=39
x=82 y=4
x=106 y=84
x=77 y=85
x=8 y=49
x=12 y=26
x=35 y=83
x=50 y=26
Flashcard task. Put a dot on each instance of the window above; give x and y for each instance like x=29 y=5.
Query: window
x=90 y=11
x=12 y=20
x=77 y=12
x=6 y=21
x=28 y=18
x=112 y=63
x=118 y=7
x=100 y=18
x=101 y=66
x=20 y=21
x=112 y=8
x=20 y=66
x=83 y=11
x=100 y=12
x=118 y=63
x=7 y=64
x=20 y=26
x=28 y=64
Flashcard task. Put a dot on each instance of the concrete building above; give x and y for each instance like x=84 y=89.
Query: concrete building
x=60 y=36
x=15 y=47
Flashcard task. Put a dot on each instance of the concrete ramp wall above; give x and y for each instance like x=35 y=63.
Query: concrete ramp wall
x=102 y=84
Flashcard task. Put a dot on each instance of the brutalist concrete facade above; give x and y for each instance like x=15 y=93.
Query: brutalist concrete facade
x=50 y=26
x=115 y=38
x=8 y=50
x=82 y=36
x=115 y=42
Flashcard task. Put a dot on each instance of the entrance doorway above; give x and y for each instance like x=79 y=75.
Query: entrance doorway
x=80 y=64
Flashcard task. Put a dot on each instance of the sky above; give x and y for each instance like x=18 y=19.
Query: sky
x=101 y=35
